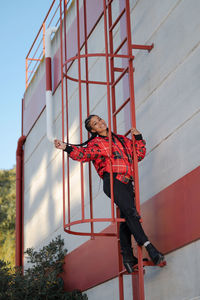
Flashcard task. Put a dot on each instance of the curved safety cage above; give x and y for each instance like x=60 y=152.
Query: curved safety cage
x=115 y=74
x=123 y=51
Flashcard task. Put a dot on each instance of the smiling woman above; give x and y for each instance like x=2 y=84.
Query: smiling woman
x=97 y=151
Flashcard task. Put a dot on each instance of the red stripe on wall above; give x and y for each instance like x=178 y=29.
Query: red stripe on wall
x=171 y=220
x=172 y=216
x=92 y=263
x=48 y=74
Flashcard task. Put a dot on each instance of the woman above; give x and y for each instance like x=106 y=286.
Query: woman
x=97 y=151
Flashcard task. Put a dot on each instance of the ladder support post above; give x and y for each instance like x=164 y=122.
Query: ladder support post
x=143 y=47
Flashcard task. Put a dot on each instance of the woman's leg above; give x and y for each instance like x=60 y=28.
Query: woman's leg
x=124 y=234
x=129 y=260
x=124 y=199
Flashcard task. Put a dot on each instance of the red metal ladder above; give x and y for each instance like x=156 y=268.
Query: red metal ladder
x=111 y=82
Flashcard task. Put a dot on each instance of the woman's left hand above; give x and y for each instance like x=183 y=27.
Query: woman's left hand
x=59 y=144
x=134 y=131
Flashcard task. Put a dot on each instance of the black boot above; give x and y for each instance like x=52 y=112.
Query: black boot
x=154 y=254
x=129 y=260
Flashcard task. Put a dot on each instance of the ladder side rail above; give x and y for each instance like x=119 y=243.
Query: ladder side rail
x=109 y=108
x=113 y=95
x=135 y=161
x=67 y=119
x=112 y=75
x=62 y=105
x=88 y=113
x=80 y=105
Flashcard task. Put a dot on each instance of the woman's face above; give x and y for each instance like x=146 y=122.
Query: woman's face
x=98 y=125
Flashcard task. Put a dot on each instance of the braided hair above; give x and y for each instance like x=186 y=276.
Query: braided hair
x=89 y=128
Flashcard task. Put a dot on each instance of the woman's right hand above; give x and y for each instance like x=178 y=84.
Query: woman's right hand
x=59 y=144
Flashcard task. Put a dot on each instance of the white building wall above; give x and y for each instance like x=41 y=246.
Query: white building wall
x=167 y=91
x=167 y=96
x=176 y=281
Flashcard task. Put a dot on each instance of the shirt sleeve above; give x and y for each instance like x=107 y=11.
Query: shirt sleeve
x=68 y=149
x=85 y=154
x=140 y=146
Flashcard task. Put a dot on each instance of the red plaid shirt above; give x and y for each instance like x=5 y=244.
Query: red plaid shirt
x=97 y=151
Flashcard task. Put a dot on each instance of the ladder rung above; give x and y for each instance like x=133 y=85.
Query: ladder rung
x=84 y=81
x=122 y=106
x=117 y=20
x=121 y=56
x=35 y=59
x=127 y=133
x=143 y=47
x=118 y=69
x=122 y=272
x=120 y=46
x=118 y=79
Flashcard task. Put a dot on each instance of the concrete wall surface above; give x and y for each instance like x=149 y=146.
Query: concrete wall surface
x=176 y=281
x=167 y=101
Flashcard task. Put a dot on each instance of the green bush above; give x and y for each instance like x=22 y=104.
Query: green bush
x=41 y=281
x=5 y=279
x=7 y=215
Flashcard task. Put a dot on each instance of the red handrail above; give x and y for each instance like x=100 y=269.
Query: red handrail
x=38 y=45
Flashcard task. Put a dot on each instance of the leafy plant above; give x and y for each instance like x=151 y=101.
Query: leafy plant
x=41 y=281
x=7 y=215
x=5 y=279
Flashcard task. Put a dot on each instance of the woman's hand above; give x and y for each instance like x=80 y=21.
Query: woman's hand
x=135 y=131
x=59 y=144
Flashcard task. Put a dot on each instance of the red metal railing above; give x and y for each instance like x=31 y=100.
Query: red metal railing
x=37 y=49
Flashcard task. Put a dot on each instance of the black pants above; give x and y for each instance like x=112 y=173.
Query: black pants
x=124 y=199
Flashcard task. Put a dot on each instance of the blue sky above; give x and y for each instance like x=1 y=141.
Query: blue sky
x=20 y=22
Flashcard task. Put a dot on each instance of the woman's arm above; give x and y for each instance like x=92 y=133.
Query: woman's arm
x=82 y=154
x=139 y=144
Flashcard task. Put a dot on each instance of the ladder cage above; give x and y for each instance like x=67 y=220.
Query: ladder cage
x=117 y=87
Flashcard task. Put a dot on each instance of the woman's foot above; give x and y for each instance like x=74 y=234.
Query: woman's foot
x=129 y=264
x=129 y=260
x=154 y=254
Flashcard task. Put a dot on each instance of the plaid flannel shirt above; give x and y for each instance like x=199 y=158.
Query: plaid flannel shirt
x=97 y=151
